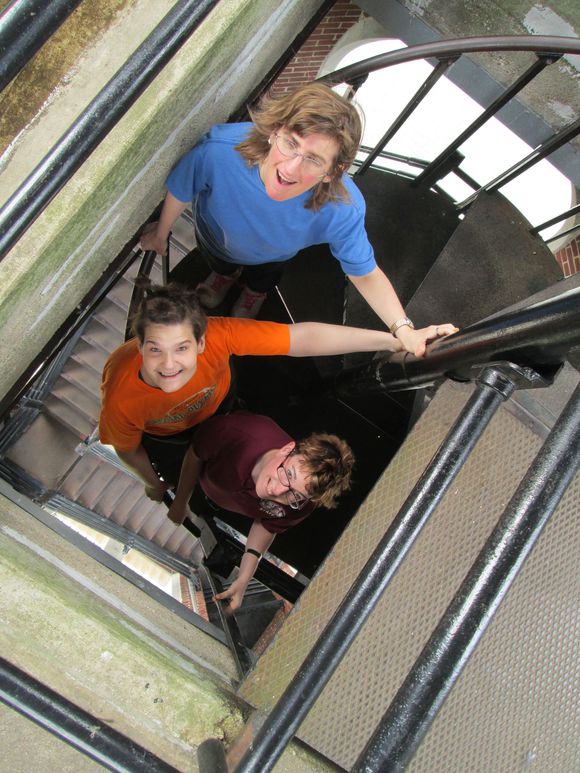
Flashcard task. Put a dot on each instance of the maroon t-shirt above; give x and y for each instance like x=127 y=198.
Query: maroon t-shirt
x=230 y=446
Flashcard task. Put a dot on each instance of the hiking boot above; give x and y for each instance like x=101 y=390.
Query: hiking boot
x=248 y=304
x=214 y=289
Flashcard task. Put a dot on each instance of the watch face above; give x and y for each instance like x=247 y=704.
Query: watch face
x=272 y=509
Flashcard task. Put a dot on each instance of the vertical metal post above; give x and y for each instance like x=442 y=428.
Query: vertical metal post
x=435 y=671
x=435 y=170
x=442 y=66
x=494 y=386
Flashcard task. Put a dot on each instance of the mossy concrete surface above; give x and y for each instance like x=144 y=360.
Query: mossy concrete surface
x=64 y=252
x=107 y=647
x=113 y=651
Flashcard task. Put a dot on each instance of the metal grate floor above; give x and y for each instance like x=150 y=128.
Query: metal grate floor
x=515 y=704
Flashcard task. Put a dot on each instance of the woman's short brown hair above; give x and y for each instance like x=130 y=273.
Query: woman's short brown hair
x=169 y=304
x=328 y=464
x=311 y=109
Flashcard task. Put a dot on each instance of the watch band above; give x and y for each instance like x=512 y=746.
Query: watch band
x=404 y=321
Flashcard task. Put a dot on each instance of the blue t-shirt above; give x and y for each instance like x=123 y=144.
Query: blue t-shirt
x=240 y=223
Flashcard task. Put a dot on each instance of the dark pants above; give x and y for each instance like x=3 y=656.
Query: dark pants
x=259 y=278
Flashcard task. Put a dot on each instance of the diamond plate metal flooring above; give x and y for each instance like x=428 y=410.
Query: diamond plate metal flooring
x=515 y=704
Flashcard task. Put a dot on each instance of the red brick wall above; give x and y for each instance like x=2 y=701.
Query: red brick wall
x=305 y=65
x=569 y=257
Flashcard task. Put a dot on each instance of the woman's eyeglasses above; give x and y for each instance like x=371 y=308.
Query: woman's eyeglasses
x=288 y=148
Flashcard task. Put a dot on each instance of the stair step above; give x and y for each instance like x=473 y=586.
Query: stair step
x=492 y=253
x=129 y=507
x=187 y=547
x=87 y=355
x=82 y=378
x=112 y=317
x=121 y=293
x=165 y=532
x=156 y=274
x=82 y=401
x=177 y=542
x=102 y=337
x=152 y=524
x=45 y=451
x=101 y=478
x=142 y=509
x=72 y=419
x=72 y=486
x=106 y=503
x=183 y=233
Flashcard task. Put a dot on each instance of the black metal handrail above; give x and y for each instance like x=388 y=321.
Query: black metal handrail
x=97 y=120
x=539 y=337
x=552 y=44
x=87 y=733
x=25 y=25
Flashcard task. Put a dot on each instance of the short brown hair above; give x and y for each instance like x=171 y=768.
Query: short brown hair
x=169 y=304
x=311 y=109
x=328 y=464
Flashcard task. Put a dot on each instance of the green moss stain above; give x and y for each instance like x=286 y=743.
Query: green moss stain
x=46 y=71
x=55 y=627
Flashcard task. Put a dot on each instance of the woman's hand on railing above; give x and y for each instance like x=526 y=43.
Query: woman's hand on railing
x=415 y=341
x=151 y=240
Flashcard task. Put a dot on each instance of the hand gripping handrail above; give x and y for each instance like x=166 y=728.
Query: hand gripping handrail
x=537 y=337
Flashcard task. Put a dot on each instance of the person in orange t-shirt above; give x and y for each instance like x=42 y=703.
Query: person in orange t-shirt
x=175 y=373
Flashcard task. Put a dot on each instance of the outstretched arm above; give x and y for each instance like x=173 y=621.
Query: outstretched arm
x=138 y=462
x=317 y=338
x=155 y=235
x=380 y=294
x=188 y=477
x=258 y=539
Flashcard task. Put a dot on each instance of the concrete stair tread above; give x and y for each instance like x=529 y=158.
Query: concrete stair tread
x=112 y=317
x=83 y=378
x=78 y=476
x=102 y=337
x=121 y=293
x=45 y=451
x=92 y=358
x=80 y=400
x=95 y=486
x=70 y=417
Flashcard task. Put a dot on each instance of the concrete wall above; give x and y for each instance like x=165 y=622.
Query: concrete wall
x=61 y=256
x=103 y=644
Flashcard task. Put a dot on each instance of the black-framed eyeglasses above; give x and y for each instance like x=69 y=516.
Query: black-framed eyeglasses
x=289 y=149
x=296 y=500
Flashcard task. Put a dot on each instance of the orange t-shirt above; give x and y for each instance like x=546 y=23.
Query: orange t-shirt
x=130 y=407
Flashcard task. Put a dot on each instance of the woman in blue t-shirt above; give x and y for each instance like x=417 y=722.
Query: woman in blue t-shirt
x=262 y=191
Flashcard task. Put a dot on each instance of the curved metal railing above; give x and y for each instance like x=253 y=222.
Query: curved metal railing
x=548 y=49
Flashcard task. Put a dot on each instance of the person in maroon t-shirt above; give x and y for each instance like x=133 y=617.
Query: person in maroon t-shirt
x=247 y=464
